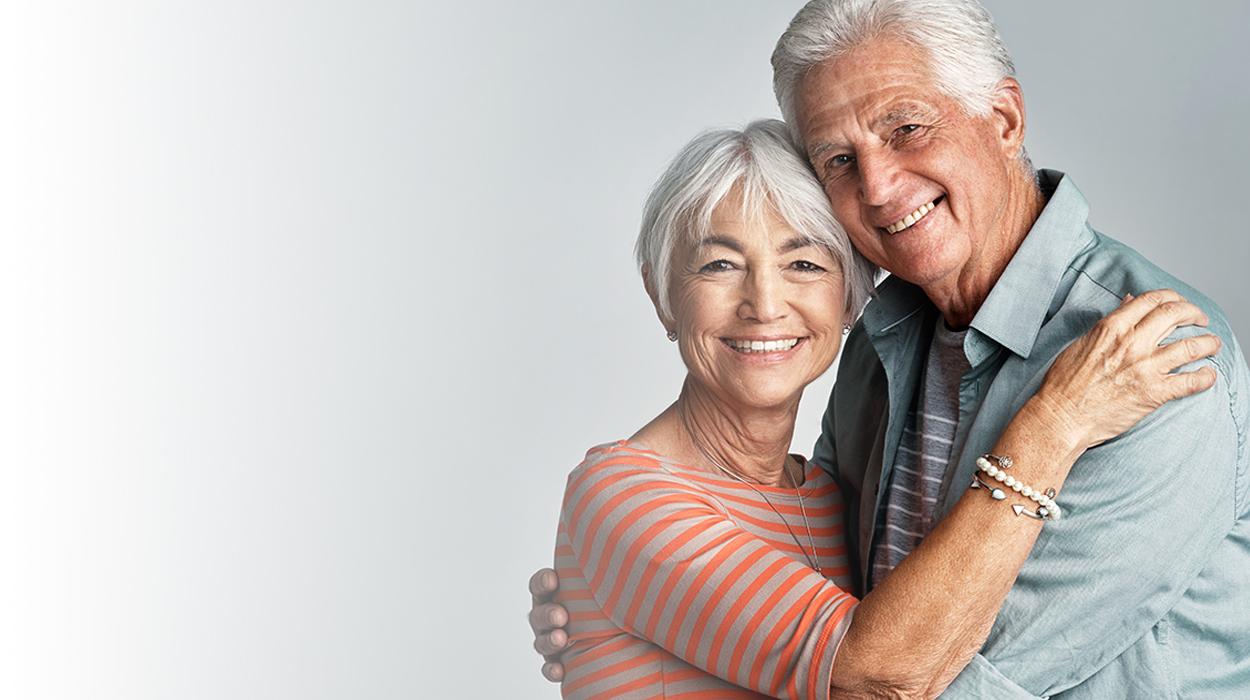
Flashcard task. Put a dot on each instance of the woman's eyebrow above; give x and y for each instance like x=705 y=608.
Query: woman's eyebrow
x=794 y=244
x=723 y=241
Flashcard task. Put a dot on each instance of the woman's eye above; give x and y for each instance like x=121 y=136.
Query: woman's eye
x=806 y=266
x=717 y=266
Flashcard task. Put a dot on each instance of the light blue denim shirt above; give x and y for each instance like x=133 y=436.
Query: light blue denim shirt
x=1142 y=590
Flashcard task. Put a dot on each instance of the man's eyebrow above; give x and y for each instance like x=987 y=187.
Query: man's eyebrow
x=902 y=114
x=898 y=115
x=820 y=148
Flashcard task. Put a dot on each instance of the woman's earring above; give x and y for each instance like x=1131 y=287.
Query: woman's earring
x=672 y=335
x=846 y=328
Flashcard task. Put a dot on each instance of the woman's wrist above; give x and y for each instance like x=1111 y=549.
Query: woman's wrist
x=1044 y=427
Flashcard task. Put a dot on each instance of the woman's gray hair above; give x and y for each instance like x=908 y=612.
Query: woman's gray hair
x=770 y=171
x=967 y=55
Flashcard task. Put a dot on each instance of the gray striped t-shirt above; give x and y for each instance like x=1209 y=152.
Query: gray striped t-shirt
x=920 y=463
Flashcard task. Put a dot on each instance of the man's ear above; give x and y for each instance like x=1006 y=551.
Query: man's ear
x=648 y=281
x=1007 y=111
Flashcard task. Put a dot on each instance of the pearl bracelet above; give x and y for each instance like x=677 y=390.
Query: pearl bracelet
x=1047 y=508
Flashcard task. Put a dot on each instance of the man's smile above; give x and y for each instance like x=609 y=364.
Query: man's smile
x=911 y=219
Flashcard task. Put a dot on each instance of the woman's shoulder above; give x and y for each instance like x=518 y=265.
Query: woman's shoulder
x=621 y=457
x=620 y=477
x=624 y=464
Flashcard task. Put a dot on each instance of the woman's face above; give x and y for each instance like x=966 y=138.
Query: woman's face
x=758 y=310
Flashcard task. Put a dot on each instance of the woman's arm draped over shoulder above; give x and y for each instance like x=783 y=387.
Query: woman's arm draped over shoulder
x=925 y=622
x=917 y=629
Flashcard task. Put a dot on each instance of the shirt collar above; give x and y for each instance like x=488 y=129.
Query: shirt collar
x=895 y=301
x=1013 y=313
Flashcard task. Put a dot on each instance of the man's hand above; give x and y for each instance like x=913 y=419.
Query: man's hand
x=548 y=619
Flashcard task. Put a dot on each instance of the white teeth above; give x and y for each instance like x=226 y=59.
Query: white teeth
x=909 y=220
x=762 y=345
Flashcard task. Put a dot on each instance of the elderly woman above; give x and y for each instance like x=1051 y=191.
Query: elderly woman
x=699 y=557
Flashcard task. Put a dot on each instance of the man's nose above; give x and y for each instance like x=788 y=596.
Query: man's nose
x=878 y=178
x=763 y=297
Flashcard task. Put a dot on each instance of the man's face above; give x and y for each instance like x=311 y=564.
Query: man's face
x=920 y=186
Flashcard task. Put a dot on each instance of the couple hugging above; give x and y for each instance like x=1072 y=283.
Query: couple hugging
x=1031 y=479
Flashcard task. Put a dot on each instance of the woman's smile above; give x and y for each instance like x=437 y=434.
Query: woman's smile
x=763 y=350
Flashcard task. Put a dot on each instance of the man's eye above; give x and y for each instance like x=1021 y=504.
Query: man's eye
x=906 y=129
x=717 y=266
x=839 y=160
x=806 y=266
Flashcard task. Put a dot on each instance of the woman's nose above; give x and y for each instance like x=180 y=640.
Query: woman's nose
x=763 y=298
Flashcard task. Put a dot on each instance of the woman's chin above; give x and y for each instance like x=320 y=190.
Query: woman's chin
x=768 y=396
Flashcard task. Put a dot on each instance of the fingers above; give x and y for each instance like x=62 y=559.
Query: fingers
x=1184 y=384
x=553 y=671
x=1174 y=355
x=551 y=643
x=543 y=584
x=1135 y=308
x=546 y=617
x=1159 y=322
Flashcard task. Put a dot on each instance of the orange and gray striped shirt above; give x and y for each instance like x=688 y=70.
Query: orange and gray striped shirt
x=686 y=584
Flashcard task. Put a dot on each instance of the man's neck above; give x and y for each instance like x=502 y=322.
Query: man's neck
x=959 y=296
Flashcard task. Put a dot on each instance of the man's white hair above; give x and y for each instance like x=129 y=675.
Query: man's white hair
x=968 y=58
x=763 y=162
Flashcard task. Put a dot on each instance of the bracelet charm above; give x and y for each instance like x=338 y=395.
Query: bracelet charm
x=1047 y=508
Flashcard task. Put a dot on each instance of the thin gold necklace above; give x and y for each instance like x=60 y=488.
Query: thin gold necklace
x=811 y=558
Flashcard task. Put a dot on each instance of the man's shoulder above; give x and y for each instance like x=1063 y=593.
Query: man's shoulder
x=1107 y=269
x=1104 y=272
x=1116 y=269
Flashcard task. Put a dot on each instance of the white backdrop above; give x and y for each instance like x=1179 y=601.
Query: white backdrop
x=308 y=308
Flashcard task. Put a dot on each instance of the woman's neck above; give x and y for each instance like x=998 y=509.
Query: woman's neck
x=701 y=429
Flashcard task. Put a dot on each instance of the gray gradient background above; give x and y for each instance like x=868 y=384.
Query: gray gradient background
x=308 y=308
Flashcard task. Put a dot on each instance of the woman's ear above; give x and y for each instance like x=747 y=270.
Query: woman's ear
x=648 y=281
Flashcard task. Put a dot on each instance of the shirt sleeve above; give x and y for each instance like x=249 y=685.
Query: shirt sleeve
x=1143 y=514
x=664 y=562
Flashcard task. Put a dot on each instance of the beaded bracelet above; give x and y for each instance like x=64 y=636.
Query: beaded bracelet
x=1047 y=508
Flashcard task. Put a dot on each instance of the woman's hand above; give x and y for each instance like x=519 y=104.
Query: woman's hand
x=1117 y=373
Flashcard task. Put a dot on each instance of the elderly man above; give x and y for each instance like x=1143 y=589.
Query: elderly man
x=913 y=122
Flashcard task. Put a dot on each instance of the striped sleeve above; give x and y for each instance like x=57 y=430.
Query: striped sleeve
x=665 y=562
